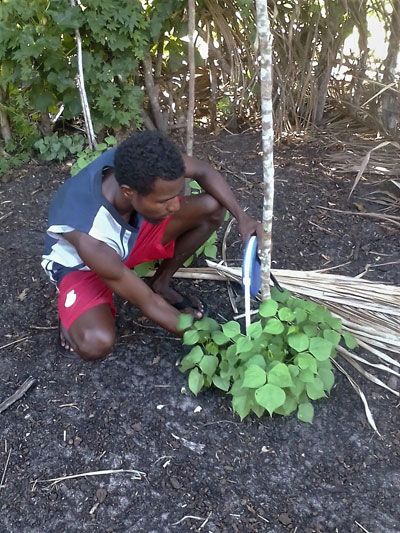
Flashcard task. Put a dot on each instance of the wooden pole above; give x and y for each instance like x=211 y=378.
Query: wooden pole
x=265 y=53
x=82 y=91
x=192 y=73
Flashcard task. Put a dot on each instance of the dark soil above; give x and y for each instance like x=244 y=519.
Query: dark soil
x=204 y=470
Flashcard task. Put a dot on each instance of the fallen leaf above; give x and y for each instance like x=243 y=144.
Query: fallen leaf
x=21 y=297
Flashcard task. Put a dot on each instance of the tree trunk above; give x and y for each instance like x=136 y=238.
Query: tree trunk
x=338 y=28
x=359 y=74
x=192 y=74
x=45 y=124
x=390 y=99
x=265 y=52
x=152 y=93
x=4 y=123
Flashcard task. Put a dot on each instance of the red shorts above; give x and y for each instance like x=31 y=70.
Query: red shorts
x=79 y=291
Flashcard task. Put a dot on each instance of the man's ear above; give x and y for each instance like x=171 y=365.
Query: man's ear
x=128 y=193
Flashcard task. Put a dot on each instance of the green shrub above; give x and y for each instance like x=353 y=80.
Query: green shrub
x=280 y=366
x=12 y=161
x=56 y=148
x=87 y=156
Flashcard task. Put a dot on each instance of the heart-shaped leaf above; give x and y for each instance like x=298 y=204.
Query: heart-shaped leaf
x=298 y=341
x=231 y=329
x=191 y=359
x=219 y=338
x=315 y=389
x=270 y=397
x=268 y=308
x=257 y=359
x=274 y=327
x=306 y=360
x=350 y=340
x=196 y=381
x=332 y=336
x=300 y=315
x=191 y=337
x=241 y=405
x=280 y=376
x=254 y=377
x=184 y=321
x=221 y=383
x=285 y=314
x=243 y=345
x=255 y=330
x=305 y=412
x=206 y=324
x=327 y=377
x=208 y=364
x=320 y=348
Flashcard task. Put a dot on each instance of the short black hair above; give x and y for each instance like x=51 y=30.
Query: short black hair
x=144 y=157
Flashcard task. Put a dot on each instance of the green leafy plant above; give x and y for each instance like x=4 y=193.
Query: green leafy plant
x=87 y=155
x=209 y=248
x=281 y=365
x=143 y=269
x=57 y=148
x=12 y=161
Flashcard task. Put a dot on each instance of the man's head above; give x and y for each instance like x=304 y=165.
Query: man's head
x=149 y=169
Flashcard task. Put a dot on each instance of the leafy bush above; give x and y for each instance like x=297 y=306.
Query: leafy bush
x=12 y=161
x=208 y=248
x=280 y=366
x=55 y=148
x=87 y=156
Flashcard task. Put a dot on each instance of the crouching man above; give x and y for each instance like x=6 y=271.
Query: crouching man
x=123 y=209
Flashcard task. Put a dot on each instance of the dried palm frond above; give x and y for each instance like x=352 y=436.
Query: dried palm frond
x=368 y=310
x=355 y=159
x=366 y=159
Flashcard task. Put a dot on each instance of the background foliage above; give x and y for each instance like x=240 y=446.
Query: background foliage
x=135 y=66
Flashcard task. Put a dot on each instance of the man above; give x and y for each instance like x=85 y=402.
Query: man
x=123 y=209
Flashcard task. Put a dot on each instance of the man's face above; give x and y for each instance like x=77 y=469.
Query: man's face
x=161 y=202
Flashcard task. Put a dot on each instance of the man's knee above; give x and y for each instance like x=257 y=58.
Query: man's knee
x=95 y=344
x=214 y=211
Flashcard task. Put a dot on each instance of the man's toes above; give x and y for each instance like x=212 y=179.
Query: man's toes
x=64 y=342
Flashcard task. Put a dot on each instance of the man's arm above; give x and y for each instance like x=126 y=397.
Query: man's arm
x=108 y=266
x=215 y=184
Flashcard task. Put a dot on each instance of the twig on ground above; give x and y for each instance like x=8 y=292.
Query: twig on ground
x=327 y=230
x=393 y=219
x=6 y=216
x=43 y=327
x=328 y=269
x=205 y=521
x=219 y=422
x=187 y=517
x=358 y=390
x=361 y=527
x=17 y=394
x=3 y=477
x=138 y=475
x=348 y=356
x=14 y=342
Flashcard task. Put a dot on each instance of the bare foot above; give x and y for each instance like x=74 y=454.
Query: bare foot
x=185 y=304
x=65 y=341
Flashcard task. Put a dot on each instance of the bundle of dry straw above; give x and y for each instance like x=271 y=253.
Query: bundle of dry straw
x=369 y=310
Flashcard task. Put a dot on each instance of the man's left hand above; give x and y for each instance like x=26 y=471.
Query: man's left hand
x=248 y=226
